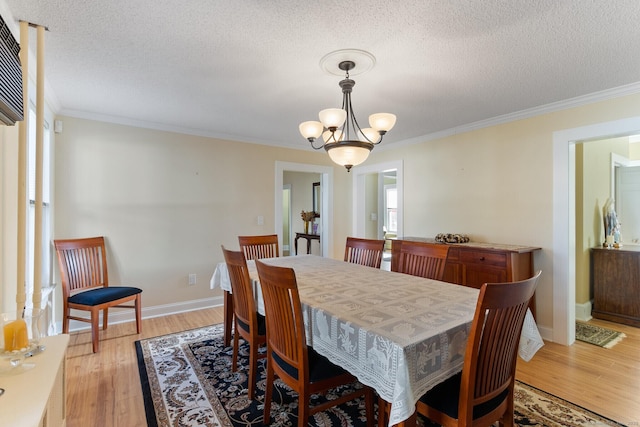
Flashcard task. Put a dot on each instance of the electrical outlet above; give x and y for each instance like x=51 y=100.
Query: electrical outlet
x=260 y=220
x=192 y=279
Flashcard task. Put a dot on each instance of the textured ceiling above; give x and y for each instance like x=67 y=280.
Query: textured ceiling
x=249 y=70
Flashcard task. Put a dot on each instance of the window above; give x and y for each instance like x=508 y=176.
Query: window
x=391 y=208
x=31 y=210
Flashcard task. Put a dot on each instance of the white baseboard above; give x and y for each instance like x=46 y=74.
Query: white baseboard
x=128 y=315
x=583 y=312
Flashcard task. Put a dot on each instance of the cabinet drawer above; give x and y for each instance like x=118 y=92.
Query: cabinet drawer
x=484 y=258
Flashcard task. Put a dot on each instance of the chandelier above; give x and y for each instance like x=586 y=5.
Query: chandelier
x=344 y=140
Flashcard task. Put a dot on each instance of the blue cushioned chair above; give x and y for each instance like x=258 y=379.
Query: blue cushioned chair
x=85 y=285
x=288 y=356
x=483 y=392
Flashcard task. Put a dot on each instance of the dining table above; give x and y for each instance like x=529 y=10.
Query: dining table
x=397 y=333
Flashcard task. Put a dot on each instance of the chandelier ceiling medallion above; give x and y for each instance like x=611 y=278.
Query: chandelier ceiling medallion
x=344 y=140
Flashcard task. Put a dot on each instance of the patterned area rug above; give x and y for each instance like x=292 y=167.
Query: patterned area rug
x=187 y=381
x=597 y=335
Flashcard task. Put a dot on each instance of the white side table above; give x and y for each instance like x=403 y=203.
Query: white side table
x=37 y=396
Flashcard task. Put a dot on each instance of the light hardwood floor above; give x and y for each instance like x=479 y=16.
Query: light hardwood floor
x=103 y=389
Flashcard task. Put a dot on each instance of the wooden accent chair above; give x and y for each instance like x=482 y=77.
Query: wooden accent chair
x=85 y=285
x=249 y=324
x=257 y=247
x=419 y=259
x=483 y=392
x=365 y=252
x=289 y=357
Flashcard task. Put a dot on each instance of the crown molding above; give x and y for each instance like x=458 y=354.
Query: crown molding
x=617 y=92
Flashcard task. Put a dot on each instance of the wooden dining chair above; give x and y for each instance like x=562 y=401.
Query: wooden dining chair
x=419 y=258
x=483 y=392
x=257 y=247
x=85 y=285
x=253 y=247
x=248 y=323
x=365 y=252
x=288 y=356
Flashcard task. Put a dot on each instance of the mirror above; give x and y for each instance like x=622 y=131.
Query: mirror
x=627 y=201
x=316 y=196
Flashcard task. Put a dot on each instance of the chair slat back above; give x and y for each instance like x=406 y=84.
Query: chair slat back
x=258 y=247
x=244 y=305
x=492 y=347
x=83 y=264
x=365 y=252
x=421 y=259
x=283 y=314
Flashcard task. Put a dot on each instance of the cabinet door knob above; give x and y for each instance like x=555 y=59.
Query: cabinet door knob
x=481 y=258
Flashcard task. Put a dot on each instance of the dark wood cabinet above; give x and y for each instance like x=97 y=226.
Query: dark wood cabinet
x=473 y=264
x=615 y=277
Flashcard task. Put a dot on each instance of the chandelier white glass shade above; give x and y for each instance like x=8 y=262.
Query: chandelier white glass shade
x=342 y=137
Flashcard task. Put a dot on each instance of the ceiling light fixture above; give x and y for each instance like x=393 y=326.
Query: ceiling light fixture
x=346 y=143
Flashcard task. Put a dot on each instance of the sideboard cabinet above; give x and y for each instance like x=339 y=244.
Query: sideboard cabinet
x=473 y=264
x=615 y=277
x=36 y=396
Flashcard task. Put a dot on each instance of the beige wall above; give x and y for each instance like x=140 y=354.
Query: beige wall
x=167 y=201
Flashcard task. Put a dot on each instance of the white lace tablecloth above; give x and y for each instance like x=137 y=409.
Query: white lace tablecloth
x=398 y=334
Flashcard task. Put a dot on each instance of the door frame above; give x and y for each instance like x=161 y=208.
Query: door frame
x=564 y=218
x=326 y=191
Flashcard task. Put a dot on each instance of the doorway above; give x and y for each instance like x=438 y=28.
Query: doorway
x=564 y=218
x=326 y=202
x=378 y=203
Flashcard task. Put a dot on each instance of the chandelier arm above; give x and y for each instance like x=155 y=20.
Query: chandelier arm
x=379 y=140
x=357 y=126
x=313 y=146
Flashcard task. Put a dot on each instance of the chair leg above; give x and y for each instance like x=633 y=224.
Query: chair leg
x=266 y=419
x=234 y=362
x=303 y=408
x=253 y=369
x=507 y=417
x=368 y=400
x=383 y=412
x=105 y=317
x=65 y=320
x=138 y=314
x=228 y=317
x=95 y=329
